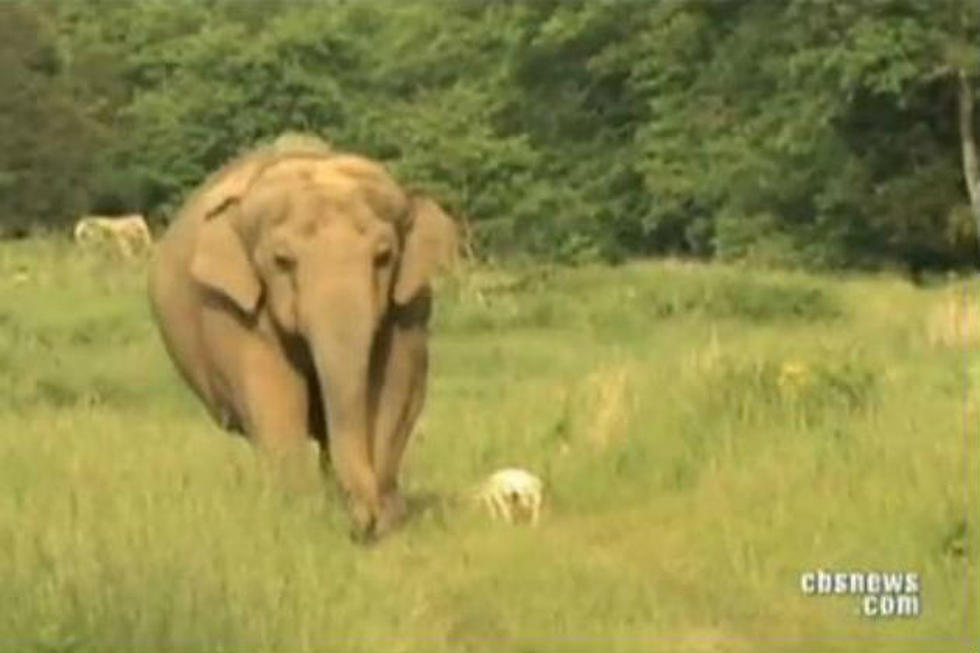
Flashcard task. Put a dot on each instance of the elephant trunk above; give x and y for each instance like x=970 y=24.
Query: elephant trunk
x=340 y=339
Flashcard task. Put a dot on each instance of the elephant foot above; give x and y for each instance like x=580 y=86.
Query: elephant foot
x=393 y=513
x=363 y=522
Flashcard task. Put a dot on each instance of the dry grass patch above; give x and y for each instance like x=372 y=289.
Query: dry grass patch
x=954 y=320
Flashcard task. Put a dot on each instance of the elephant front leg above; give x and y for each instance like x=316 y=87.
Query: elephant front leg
x=276 y=405
x=399 y=393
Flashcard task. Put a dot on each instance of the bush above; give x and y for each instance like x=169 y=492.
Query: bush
x=797 y=390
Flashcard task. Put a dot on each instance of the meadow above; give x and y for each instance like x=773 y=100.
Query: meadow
x=706 y=434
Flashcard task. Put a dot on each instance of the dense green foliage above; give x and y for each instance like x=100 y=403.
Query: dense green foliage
x=706 y=434
x=796 y=132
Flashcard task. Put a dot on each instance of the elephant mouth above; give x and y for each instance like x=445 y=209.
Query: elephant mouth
x=316 y=417
x=299 y=353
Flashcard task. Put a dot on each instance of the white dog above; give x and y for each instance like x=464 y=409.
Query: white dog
x=129 y=232
x=512 y=493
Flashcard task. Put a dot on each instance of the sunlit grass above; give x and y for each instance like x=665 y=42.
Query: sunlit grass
x=706 y=434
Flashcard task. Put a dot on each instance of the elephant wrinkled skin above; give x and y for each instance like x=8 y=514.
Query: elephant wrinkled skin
x=292 y=293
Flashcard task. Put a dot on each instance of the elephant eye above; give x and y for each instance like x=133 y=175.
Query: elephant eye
x=283 y=262
x=382 y=256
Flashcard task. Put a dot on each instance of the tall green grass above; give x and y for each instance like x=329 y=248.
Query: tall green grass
x=706 y=434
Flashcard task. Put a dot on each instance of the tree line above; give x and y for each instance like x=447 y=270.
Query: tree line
x=779 y=132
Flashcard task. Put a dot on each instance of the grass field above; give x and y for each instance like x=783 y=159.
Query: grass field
x=706 y=434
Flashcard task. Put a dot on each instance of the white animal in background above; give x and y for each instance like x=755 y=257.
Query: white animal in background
x=129 y=233
x=512 y=494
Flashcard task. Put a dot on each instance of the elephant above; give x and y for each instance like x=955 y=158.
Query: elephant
x=292 y=292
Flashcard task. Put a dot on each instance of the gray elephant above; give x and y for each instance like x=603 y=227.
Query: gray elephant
x=292 y=293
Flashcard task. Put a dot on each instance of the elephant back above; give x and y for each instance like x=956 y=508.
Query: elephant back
x=230 y=182
x=301 y=142
x=295 y=156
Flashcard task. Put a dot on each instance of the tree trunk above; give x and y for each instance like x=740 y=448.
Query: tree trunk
x=971 y=168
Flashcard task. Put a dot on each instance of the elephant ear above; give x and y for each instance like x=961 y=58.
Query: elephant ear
x=431 y=243
x=221 y=263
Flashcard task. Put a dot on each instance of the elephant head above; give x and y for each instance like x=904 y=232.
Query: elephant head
x=323 y=248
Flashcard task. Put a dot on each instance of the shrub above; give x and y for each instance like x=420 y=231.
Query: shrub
x=800 y=390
